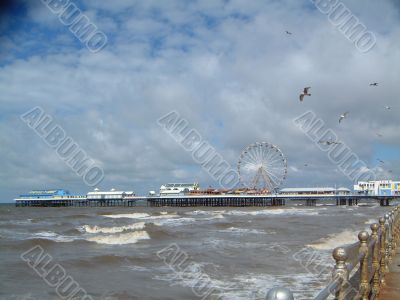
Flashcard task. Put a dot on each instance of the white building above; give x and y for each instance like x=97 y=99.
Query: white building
x=327 y=191
x=109 y=195
x=378 y=188
x=175 y=189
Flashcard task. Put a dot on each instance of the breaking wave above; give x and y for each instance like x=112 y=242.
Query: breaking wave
x=118 y=229
x=291 y=211
x=244 y=231
x=52 y=236
x=335 y=240
x=120 y=239
x=128 y=216
x=174 y=221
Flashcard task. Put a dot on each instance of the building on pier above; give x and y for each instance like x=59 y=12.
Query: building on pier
x=109 y=195
x=378 y=188
x=54 y=194
x=324 y=191
x=175 y=189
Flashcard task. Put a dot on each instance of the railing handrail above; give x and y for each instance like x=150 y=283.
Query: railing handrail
x=370 y=258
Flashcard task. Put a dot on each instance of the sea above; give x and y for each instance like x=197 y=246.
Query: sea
x=173 y=253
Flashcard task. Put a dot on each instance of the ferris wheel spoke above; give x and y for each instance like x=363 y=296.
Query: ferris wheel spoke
x=252 y=155
x=249 y=160
x=272 y=176
x=269 y=181
x=275 y=167
x=257 y=154
x=278 y=163
x=256 y=179
x=274 y=156
x=276 y=175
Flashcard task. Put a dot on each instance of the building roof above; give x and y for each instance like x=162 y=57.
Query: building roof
x=296 y=190
x=179 y=184
x=112 y=192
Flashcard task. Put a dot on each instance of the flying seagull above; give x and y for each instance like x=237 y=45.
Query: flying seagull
x=305 y=93
x=329 y=143
x=379 y=135
x=381 y=161
x=373 y=84
x=288 y=32
x=388 y=107
x=343 y=116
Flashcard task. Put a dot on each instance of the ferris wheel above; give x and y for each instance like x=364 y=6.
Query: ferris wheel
x=262 y=166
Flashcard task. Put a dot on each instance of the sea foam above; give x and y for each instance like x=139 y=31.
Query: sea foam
x=128 y=216
x=290 y=211
x=335 y=240
x=120 y=239
x=52 y=236
x=118 y=229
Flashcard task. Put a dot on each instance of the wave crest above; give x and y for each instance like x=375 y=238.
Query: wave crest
x=120 y=239
x=117 y=229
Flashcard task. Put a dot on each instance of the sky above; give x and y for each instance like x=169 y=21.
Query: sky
x=226 y=66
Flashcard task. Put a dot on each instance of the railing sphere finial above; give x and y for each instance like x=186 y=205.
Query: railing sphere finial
x=374 y=228
x=340 y=254
x=280 y=293
x=387 y=217
x=382 y=221
x=363 y=236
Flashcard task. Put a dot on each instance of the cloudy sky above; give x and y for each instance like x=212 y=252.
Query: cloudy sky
x=226 y=66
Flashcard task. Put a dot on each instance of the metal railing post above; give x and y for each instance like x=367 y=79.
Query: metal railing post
x=382 y=251
x=396 y=227
x=364 y=288
x=375 y=259
x=340 y=273
x=394 y=230
x=390 y=235
x=387 y=242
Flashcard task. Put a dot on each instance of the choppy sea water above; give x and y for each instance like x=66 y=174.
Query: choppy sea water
x=112 y=252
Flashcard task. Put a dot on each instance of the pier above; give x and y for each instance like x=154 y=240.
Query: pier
x=368 y=269
x=210 y=201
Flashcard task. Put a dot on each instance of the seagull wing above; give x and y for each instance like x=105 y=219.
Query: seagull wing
x=301 y=97
x=306 y=90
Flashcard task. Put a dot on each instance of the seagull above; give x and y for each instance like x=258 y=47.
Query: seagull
x=379 y=135
x=381 y=161
x=329 y=143
x=373 y=84
x=306 y=165
x=343 y=116
x=388 y=107
x=288 y=32
x=305 y=93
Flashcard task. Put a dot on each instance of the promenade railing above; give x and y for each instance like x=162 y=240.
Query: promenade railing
x=360 y=268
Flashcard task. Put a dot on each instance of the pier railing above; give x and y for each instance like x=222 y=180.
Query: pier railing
x=360 y=268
